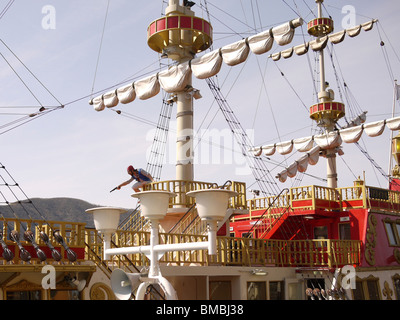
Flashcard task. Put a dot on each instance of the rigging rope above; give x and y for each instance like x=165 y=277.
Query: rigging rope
x=101 y=45
x=260 y=171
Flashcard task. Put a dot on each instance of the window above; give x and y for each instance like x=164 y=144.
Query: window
x=344 y=231
x=64 y=295
x=276 y=290
x=220 y=290
x=396 y=284
x=321 y=232
x=393 y=232
x=367 y=289
x=24 y=295
x=256 y=291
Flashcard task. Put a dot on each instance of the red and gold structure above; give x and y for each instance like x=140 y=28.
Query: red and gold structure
x=179 y=36
x=327 y=112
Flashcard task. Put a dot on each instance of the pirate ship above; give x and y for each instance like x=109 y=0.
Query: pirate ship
x=309 y=242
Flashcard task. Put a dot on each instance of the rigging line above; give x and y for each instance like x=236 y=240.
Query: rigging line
x=290 y=85
x=101 y=45
x=6 y=8
x=218 y=110
x=228 y=14
x=254 y=18
x=16 y=198
x=291 y=8
x=348 y=167
x=255 y=164
x=21 y=80
x=244 y=13
x=29 y=120
x=259 y=15
x=25 y=195
x=308 y=55
x=385 y=55
x=33 y=75
x=388 y=39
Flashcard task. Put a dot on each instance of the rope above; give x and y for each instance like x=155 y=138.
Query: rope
x=101 y=45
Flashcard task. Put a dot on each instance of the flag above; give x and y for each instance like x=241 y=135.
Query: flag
x=397 y=91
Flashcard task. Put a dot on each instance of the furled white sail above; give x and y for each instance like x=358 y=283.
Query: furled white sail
x=98 y=103
x=207 y=65
x=175 y=78
x=374 y=129
x=320 y=43
x=235 y=53
x=331 y=140
x=261 y=43
x=147 y=87
x=110 y=99
x=301 y=165
x=126 y=94
x=283 y=34
x=328 y=140
x=351 y=135
x=304 y=144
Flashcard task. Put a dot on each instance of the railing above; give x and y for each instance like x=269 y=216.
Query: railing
x=242 y=251
x=317 y=197
x=181 y=187
x=73 y=234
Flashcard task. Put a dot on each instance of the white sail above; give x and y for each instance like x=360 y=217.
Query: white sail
x=331 y=140
x=175 y=78
x=320 y=43
x=126 y=94
x=207 y=65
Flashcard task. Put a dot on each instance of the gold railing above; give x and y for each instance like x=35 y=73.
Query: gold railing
x=73 y=234
x=317 y=197
x=242 y=251
x=181 y=187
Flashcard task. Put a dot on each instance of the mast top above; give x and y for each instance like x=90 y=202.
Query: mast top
x=180 y=34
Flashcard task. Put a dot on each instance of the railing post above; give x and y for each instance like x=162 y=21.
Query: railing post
x=329 y=251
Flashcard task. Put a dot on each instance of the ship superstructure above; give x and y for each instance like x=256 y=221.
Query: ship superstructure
x=308 y=242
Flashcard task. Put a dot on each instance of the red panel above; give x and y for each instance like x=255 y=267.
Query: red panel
x=186 y=22
x=172 y=22
x=328 y=106
x=161 y=24
x=197 y=24
x=207 y=28
x=152 y=28
x=334 y=106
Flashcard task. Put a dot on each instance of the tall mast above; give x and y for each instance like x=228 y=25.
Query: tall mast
x=179 y=36
x=326 y=112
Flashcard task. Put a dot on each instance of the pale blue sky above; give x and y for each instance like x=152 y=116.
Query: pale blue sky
x=80 y=153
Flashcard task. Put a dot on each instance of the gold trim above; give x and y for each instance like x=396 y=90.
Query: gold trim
x=101 y=291
x=371 y=240
x=387 y=292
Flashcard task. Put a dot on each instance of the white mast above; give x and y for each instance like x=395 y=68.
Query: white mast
x=179 y=37
x=326 y=112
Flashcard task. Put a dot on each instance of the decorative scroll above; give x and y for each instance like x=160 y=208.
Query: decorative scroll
x=371 y=240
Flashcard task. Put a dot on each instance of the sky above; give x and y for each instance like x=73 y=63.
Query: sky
x=80 y=153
